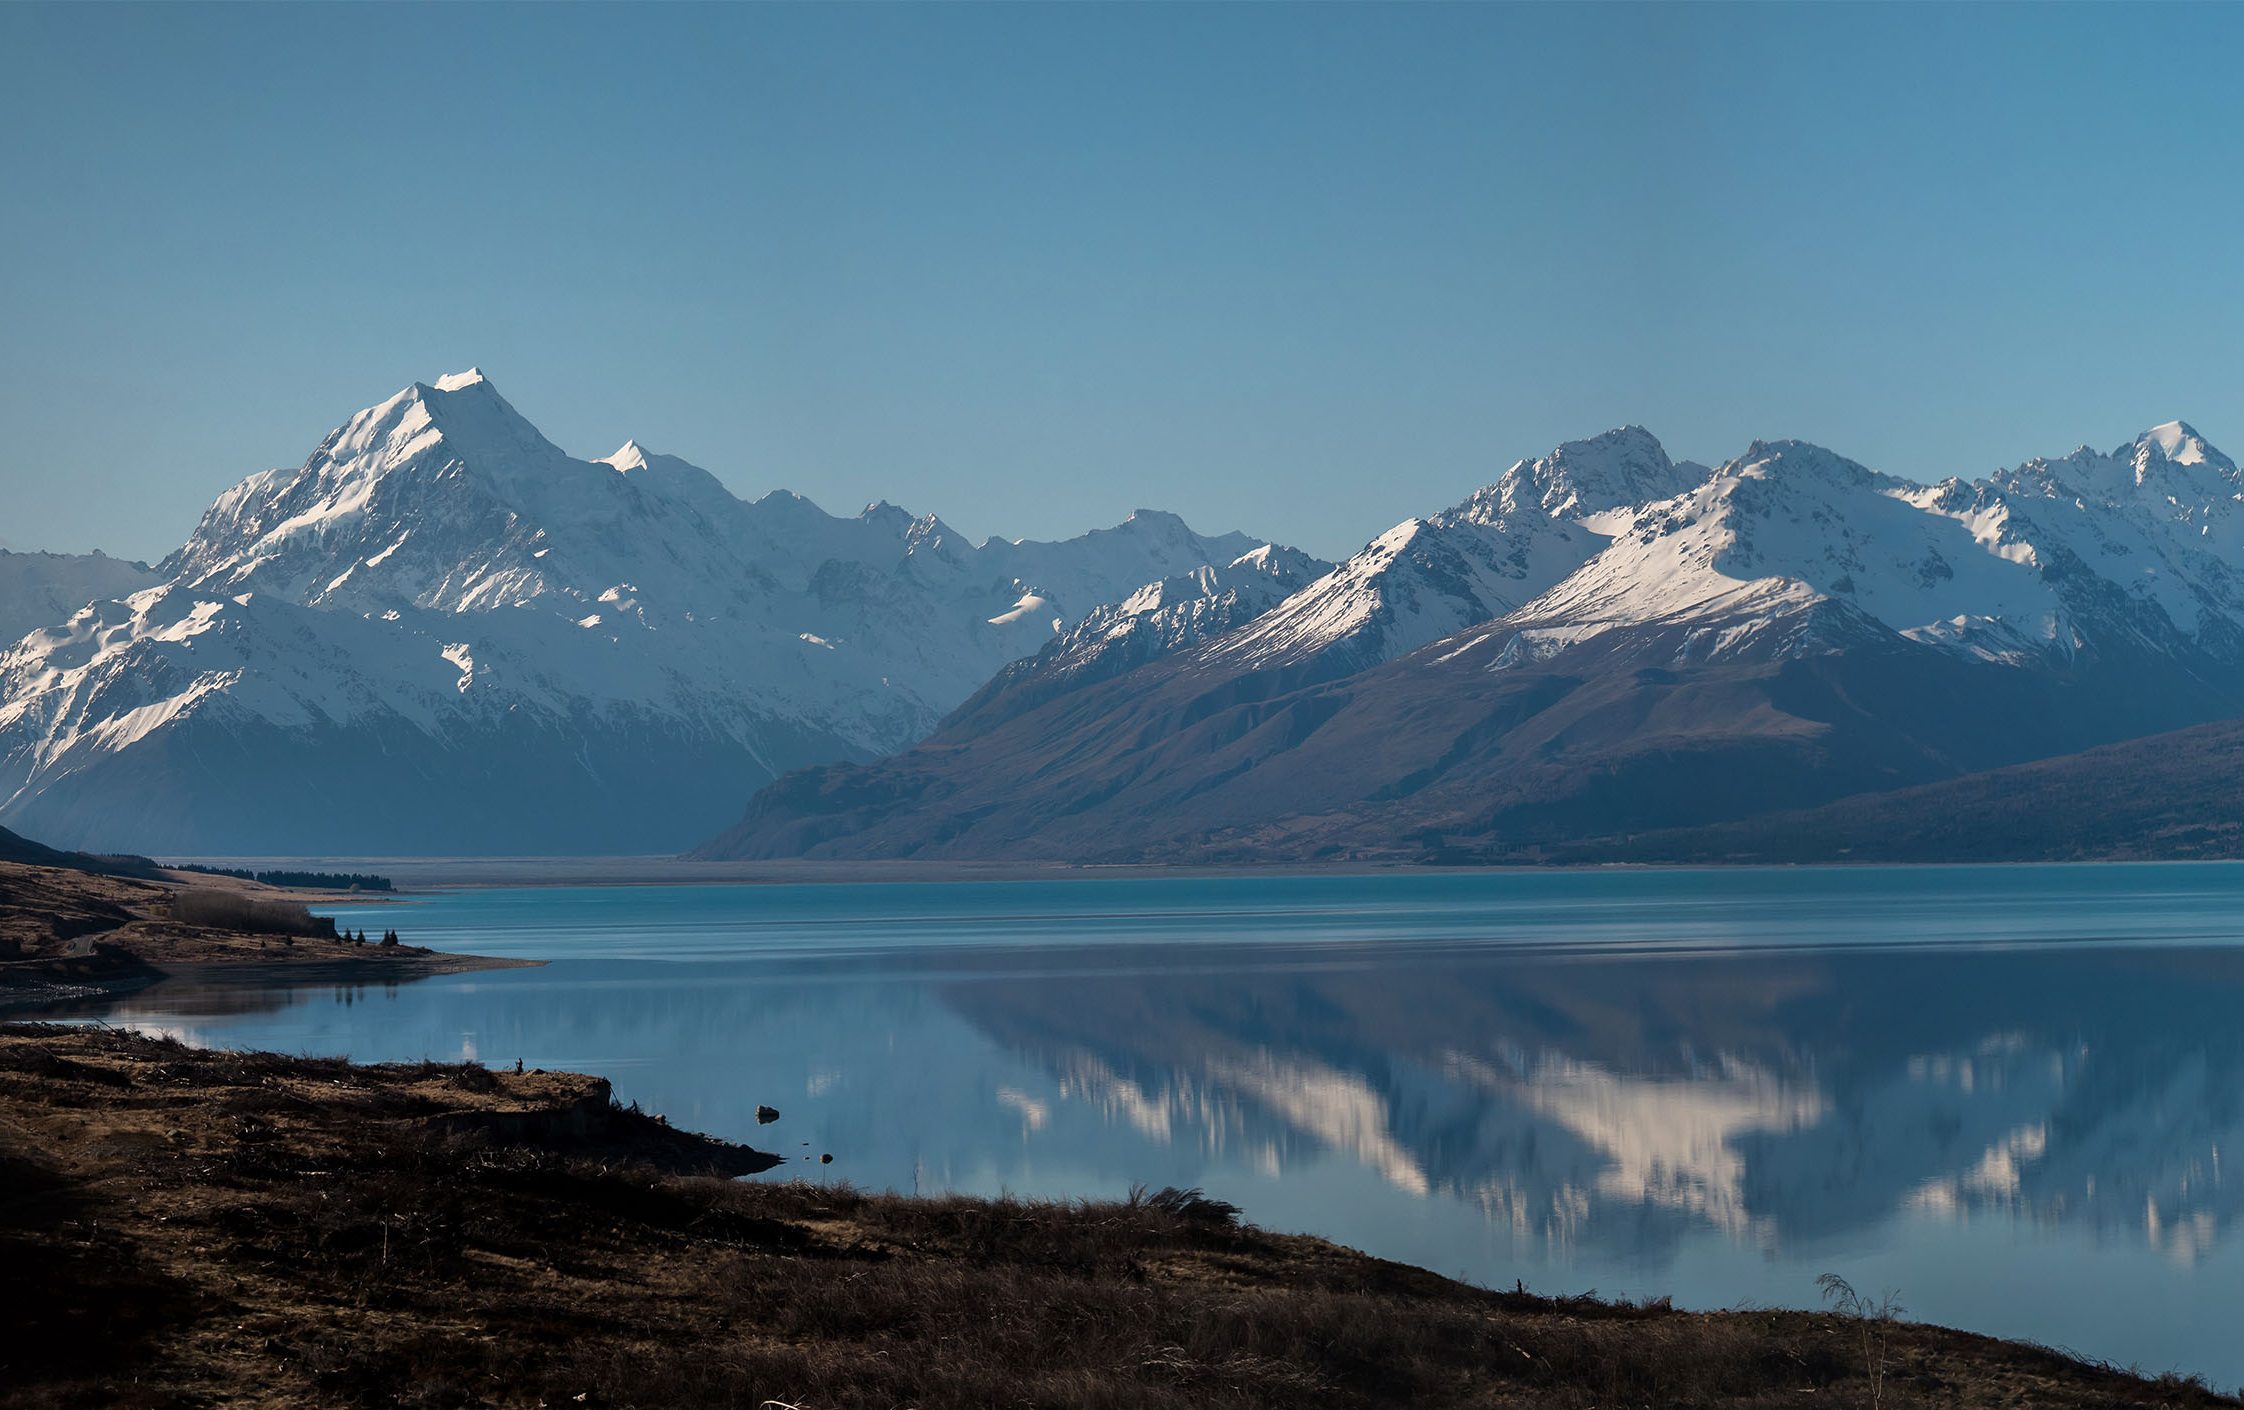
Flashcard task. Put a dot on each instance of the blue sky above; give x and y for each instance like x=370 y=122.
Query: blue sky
x=1299 y=270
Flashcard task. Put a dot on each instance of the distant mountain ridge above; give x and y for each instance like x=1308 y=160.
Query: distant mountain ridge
x=1602 y=643
x=441 y=633
x=40 y=589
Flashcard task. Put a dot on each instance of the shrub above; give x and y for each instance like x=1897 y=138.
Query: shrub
x=234 y=910
x=1186 y=1204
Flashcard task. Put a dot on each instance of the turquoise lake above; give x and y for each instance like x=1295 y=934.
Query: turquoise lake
x=2010 y=1095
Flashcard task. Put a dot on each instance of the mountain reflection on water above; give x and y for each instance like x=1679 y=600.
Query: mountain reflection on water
x=1615 y=1104
x=2026 y=1139
x=1773 y=1098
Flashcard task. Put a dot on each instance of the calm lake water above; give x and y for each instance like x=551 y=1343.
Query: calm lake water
x=2011 y=1094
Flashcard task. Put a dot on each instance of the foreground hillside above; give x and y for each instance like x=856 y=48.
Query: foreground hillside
x=194 y=1228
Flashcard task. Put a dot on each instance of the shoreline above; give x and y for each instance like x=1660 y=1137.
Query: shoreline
x=254 y=1229
x=420 y=875
x=73 y=936
x=30 y=987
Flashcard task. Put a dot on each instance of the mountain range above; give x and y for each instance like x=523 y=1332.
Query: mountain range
x=443 y=634
x=1603 y=645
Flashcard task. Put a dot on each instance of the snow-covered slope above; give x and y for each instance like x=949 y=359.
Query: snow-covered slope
x=442 y=632
x=2140 y=550
x=2145 y=542
x=1189 y=608
x=1427 y=578
x=1158 y=619
x=1776 y=532
x=37 y=589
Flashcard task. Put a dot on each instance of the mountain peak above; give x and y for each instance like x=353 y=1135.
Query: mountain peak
x=1157 y=519
x=893 y=517
x=2176 y=443
x=1798 y=458
x=465 y=408
x=1629 y=439
x=633 y=456
x=1623 y=467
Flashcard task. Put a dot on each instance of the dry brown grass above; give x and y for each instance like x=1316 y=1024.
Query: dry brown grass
x=184 y=1228
x=221 y=908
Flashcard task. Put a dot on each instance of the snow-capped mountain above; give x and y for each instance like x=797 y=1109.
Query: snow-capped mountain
x=37 y=589
x=1426 y=578
x=1782 y=530
x=1601 y=643
x=2139 y=551
x=443 y=633
x=2148 y=539
x=1156 y=620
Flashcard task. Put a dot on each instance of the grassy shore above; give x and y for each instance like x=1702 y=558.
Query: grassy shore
x=189 y=1228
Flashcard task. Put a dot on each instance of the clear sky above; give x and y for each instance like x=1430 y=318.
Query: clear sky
x=1304 y=271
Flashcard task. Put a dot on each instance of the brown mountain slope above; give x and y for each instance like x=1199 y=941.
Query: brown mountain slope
x=2178 y=795
x=1457 y=750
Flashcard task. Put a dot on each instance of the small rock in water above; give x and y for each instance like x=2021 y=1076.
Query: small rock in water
x=765 y=1115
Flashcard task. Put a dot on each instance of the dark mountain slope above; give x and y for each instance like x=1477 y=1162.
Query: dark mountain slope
x=17 y=848
x=2173 y=795
x=1459 y=749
